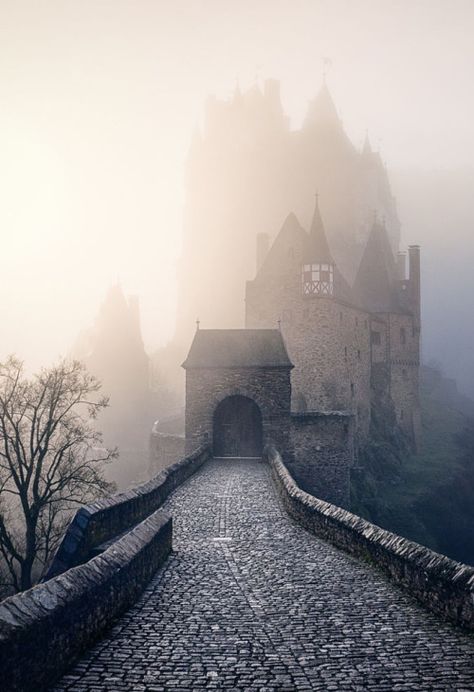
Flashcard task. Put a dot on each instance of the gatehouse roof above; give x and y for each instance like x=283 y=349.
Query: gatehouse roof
x=237 y=348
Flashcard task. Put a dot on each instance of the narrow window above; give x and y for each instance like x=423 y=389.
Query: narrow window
x=403 y=336
x=375 y=338
x=358 y=354
x=352 y=389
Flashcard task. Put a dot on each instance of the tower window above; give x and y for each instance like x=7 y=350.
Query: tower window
x=352 y=389
x=404 y=374
x=345 y=352
x=375 y=338
x=403 y=336
x=318 y=279
x=358 y=354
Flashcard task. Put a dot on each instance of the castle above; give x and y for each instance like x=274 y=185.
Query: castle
x=346 y=342
x=340 y=296
x=310 y=386
x=246 y=169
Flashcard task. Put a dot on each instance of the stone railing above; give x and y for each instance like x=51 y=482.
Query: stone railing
x=44 y=629
x=441 y=584
x=100 y=522
x=165 y=449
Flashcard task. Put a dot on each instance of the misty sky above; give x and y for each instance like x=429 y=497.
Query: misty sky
x=99 y=99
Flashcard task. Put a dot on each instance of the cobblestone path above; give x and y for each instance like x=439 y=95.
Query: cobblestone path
x=250 y=601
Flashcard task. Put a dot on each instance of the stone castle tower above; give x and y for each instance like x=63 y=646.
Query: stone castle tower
x=245 y=170
x=348 y=344
x=113 y=351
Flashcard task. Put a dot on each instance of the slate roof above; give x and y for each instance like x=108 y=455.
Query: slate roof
x=376 y=280
x=237 y=348
x=317 y=244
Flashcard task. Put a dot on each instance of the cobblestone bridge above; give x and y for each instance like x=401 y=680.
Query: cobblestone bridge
x=250 y=601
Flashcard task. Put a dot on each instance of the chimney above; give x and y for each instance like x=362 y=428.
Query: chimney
x=402 y=265
x=414 y=276
x=263 y=245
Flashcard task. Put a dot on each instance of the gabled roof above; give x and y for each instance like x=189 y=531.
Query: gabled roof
x=290 y=241
x=237 y=348
x=376 y=281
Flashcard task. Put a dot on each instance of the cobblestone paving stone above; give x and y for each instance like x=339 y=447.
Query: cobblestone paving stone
x=250 y=601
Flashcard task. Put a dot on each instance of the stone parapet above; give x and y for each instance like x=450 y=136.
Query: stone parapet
x=44 y=629
x=322 y=451
x=108 y=518
x=444 y=586
x=165 y=449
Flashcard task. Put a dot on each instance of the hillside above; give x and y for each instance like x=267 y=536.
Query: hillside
x=427 y=496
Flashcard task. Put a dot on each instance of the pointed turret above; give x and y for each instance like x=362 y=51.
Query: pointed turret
x=322 y=111
x=367 y=149
x=318 y=248
x=376 y=281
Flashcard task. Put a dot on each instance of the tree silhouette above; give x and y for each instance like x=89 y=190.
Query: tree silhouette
x=51 y=458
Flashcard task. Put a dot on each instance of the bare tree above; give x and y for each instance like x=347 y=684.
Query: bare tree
x=51 y=458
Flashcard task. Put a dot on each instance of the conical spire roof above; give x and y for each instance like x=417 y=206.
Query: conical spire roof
x=322 y=109
x=318 y=247
x=367 y=149
x=375 y=284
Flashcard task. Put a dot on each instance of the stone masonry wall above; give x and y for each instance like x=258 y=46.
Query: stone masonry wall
x=404 y=372
x=439 y=583
x=270 y=388
x=44 y=629
x=322 y=455
x=328 y=341
x=105 y=519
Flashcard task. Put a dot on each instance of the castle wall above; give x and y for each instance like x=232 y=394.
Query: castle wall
x=322 y=454
x=404 y=372
x=270 y=388
x=328 y=342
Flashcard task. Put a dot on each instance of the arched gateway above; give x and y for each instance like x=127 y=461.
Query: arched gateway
x=237 y=428
x=238 y=391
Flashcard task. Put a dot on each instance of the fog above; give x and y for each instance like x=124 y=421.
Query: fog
x=98 y=104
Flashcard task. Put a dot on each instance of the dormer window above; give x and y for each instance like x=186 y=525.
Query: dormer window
x=318 y=279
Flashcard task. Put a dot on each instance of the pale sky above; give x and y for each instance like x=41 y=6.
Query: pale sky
x=99 y=99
